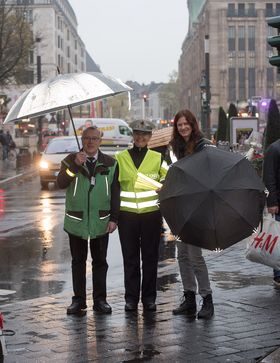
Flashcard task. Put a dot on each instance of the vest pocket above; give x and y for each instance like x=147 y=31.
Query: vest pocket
x=103 y=214
x=77 y=215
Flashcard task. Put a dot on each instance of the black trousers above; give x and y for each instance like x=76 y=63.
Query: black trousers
x=140 y=237
x=79 y=252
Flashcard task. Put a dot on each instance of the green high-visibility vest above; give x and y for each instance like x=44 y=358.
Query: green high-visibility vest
x=144 y=199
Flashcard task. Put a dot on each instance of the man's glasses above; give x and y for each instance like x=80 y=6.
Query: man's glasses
x=94 y=138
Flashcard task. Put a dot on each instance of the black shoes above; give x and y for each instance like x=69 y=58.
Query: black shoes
x=76 y=308
x=207 y=310
x=101 y=306
x=149 y=306
x=188 y=306
x=130 y=306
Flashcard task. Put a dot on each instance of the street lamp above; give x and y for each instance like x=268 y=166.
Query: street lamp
x=205 y=90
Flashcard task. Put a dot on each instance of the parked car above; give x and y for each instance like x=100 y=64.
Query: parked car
x=57 y=149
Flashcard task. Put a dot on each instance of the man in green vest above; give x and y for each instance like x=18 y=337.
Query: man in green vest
x=140 y=219
x=91 y=213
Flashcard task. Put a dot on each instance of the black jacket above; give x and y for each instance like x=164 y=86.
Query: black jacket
x=271 y=173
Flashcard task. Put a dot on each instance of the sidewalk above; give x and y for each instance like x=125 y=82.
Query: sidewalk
x=245 y=327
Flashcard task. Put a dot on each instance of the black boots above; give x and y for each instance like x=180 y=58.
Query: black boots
x=188 y=306
x=207 y=310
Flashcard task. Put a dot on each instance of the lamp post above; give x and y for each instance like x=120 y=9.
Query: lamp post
x=39 y=80
x=2 y=101
x=207 y=84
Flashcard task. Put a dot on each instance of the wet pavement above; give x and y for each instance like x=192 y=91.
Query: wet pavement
x=245 y=327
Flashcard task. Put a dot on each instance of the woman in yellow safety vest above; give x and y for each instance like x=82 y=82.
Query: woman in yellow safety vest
x=140 y=219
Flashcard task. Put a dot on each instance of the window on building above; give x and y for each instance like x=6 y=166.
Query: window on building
x=231 y=10
x=231 y=85
x=251 y=38
x=58 y=60
x=268 y=9
x=241 y=38
x=277 y=9
x=251 y=82
x=251 y=9
x=68 y=51
x=83 y=66
x=68 y=68
x=68 y=34
x=241 y=82
x=76 y=59
x=241 y=9
x=61 y=43
x=58 y=41
x=76 y=44
x=231 y=38
x=31 y=57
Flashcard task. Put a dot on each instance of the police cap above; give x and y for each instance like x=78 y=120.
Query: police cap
x=143 y=126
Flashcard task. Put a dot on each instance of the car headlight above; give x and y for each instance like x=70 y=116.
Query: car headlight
x=44 y=165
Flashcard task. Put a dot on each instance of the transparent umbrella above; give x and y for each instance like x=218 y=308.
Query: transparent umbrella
x=64 y=91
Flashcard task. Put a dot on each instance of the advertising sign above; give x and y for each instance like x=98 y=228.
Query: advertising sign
x=241 y=128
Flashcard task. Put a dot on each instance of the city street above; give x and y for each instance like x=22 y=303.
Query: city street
x=35 y=267
x=35 y=257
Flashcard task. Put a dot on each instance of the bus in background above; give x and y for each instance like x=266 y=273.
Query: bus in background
x=115 y=131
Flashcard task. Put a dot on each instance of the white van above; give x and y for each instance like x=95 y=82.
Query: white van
x=115 y=131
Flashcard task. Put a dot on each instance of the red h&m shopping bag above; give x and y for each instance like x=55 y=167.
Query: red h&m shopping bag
x=264 y=246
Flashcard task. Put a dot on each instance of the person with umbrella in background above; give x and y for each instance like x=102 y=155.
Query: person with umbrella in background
x=140 y=218
x=271 y=177
x=91 y=213
x=186 y=140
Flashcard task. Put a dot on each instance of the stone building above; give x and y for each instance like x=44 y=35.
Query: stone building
x=238 y=53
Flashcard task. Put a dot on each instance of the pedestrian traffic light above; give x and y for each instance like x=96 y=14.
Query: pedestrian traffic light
x=274 y=41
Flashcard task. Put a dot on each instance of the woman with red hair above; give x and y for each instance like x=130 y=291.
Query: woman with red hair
x=187 y=139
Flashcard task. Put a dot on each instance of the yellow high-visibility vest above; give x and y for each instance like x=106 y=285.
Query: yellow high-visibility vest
x=138 y=200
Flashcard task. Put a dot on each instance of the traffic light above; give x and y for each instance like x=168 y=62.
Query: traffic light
x=145 y=98
x=274 y=41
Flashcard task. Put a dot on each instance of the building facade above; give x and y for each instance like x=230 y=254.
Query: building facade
x=238 y=54
x=57 y=45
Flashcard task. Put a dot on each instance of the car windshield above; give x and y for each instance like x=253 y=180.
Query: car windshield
x=62 y=146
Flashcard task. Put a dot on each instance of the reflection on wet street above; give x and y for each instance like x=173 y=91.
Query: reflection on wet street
x=35 y=258
x=238 y=280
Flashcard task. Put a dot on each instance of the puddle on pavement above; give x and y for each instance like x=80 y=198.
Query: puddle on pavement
x=142 y=355
x=237 y=280
x=164 y=282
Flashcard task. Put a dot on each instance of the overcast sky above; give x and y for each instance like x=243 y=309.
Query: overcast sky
x=137 y=40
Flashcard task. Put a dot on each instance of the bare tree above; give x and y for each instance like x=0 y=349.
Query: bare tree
x=16 y=43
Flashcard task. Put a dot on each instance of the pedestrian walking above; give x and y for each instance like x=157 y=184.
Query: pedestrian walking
x=5 y=144
x=187 y=139
x=271 y=178
x=140 y=219
x=91 y=213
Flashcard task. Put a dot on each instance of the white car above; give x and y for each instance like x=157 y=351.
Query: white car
x=57 y=149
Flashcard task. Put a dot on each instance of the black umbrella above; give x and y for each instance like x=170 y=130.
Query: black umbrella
x=212 y=199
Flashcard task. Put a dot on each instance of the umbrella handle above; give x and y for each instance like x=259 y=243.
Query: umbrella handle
x=71 y=118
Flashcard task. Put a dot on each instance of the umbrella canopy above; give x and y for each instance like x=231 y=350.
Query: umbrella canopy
x=161 y=137
x=212 y=199
x=64 y=90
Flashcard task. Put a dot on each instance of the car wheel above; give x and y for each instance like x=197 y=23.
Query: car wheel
x=44 y=185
